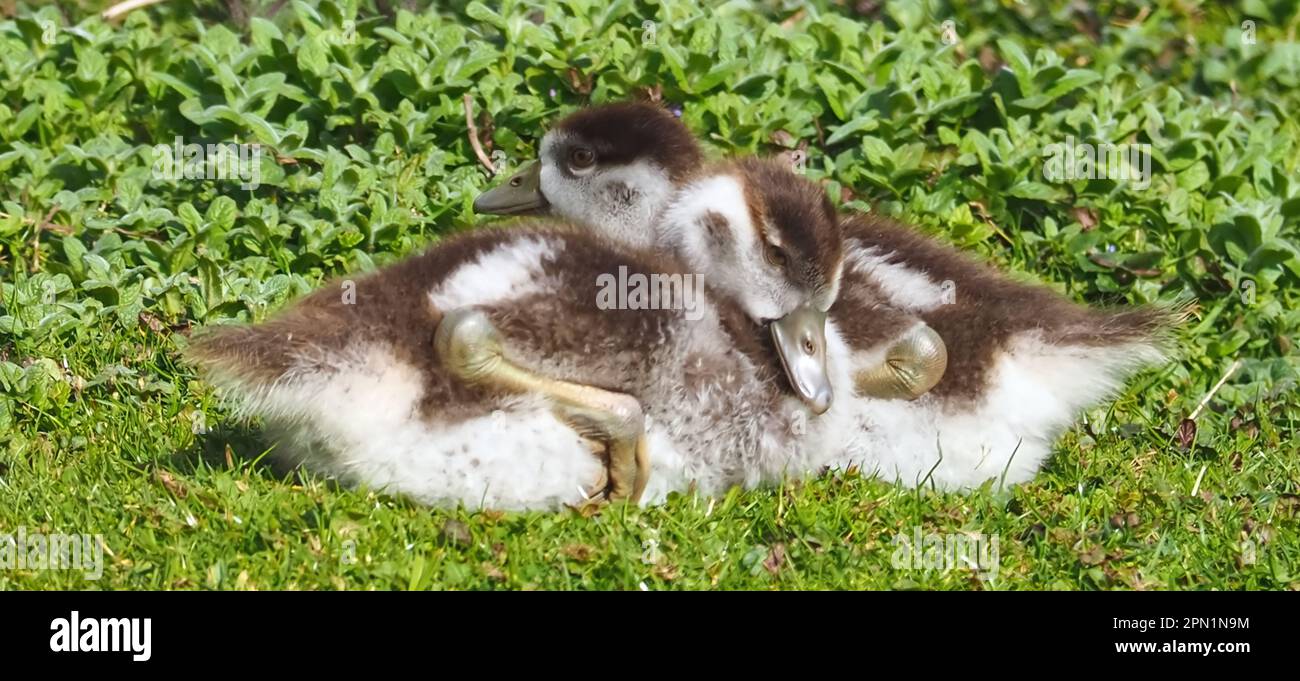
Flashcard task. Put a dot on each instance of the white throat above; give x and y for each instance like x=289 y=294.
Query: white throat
x=623 y=203
x=683 y=227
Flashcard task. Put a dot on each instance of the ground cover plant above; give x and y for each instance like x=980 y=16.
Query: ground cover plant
x=943 y=114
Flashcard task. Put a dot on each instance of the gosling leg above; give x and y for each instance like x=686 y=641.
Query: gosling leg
x=913 y=365
x=472 y=348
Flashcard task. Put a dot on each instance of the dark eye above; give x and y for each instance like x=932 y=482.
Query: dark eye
x=581 y=157
x=774 y=256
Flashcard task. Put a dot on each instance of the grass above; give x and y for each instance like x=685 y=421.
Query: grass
x=104 y=432
x=178 y=510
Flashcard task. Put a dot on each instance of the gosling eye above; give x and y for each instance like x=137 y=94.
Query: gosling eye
x=775 y=256
x=581 y=158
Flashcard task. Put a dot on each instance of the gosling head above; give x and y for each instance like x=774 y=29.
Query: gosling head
x=771 y=241
x=758 y=232
x=613 y=167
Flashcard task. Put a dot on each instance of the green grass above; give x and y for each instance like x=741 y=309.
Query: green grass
x=177 y=514
x=105 y=269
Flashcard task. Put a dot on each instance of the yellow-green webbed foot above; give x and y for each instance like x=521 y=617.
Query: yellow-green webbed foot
x=913 y=365
x=472 y=348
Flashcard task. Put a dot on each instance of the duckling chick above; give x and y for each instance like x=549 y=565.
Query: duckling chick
x=997 y=369
x=470 y=374
x=1023 y=361
x=619 y=167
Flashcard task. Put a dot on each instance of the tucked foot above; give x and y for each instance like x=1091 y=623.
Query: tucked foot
x=472 y=349
x=615 y=420
x=913 y=365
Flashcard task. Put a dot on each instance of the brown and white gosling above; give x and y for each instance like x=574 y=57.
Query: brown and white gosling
x=476 y=372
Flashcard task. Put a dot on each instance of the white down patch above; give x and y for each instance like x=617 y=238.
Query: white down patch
x=721 y=194
x=906 y=288
x=359 y=420
x=1036 y=392
x=631 y=223
x=508 y=272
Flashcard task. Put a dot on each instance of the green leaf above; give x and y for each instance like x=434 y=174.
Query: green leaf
x=1194 y=177
x=313 y=56
x=864 y=123
x=479 y=12
x=1072 y=80
x=264 y=33
x=174 y=83
x=1027 y=189
x=1017 y=61
x=221 y=214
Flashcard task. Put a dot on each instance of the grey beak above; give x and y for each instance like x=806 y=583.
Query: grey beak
x=801 y=343
x=522 y=193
